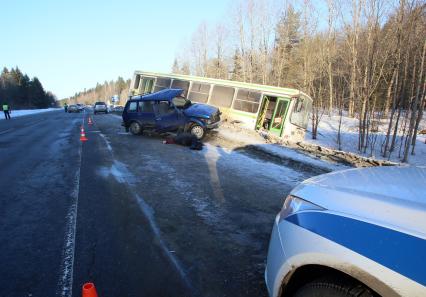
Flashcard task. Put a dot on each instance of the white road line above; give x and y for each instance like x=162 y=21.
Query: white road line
x=5 y=131
x=66 y=279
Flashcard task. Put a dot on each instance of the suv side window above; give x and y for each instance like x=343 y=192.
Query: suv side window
x=164 y=108
x=146 y=106
x=133 y=107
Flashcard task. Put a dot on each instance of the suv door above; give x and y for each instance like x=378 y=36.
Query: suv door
x=146 y=113
x=167 y=117
x=130 y=112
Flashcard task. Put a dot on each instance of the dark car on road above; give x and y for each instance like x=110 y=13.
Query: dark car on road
x=100 y=107
x=168 y=111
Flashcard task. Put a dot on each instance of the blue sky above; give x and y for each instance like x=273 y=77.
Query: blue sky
x=71 y=45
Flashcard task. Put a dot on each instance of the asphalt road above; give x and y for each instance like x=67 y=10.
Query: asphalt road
x=133 y=215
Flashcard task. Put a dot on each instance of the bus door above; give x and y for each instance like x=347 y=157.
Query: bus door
x=147 y=85
x=262 y=113
x=280 y=113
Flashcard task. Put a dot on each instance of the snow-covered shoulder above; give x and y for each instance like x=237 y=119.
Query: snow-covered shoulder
x=24 y=112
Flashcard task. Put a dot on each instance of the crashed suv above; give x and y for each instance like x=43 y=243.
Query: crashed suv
x=168 y=111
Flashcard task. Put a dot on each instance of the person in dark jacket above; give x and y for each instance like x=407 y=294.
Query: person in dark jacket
x=185 y=139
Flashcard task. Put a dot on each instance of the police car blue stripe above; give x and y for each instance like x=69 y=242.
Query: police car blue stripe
x=398 y=251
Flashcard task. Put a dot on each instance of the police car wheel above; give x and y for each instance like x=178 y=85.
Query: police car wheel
x=320 y=288
x=197 y=131
x=135 y=128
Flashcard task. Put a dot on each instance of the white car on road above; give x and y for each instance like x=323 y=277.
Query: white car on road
x=358 y=232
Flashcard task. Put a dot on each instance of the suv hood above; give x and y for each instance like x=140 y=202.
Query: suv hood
x=390 y=196
x=200 y=110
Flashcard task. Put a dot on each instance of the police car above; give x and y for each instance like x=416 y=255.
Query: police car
x=358 y=232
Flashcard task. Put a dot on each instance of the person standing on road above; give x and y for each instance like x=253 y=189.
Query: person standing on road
x=66 y=107
x=6 y=111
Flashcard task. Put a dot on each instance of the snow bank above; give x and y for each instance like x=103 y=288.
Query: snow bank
x=327 y=137
x=24 y=112
x=253 y=141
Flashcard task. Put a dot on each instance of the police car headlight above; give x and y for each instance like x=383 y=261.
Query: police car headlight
x=293 y=204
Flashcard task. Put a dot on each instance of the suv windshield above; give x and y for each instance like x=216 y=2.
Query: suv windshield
x=181 y=102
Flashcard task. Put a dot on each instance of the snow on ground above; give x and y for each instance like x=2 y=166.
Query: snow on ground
x=291 y=154
x=327 y=137
x=24 y=112
x=252 y=138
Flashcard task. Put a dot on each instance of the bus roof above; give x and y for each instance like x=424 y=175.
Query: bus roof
x=166 y=94
x=262 y=88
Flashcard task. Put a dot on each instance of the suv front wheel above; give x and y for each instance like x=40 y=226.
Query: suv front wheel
x=135 y=128
x=197 y=131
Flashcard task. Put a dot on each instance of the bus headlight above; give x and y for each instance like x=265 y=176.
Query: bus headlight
x=293 y=204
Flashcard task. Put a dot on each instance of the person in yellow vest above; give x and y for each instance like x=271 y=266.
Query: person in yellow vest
x=6 y=111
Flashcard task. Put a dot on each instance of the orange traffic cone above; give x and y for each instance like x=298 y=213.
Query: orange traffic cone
x=89 y=290
x=90 y=121
x=82 y=135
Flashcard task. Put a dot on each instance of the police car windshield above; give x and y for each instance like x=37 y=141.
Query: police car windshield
x=181 y=102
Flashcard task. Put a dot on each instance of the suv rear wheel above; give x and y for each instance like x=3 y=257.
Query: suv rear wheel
x=333 y=288
x=135 y=128
x=197 y=131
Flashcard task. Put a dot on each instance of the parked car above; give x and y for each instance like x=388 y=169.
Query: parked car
x=168 y=111
x=359 y=232
x=73 y=108
x=118 y=108
x=100 y=107
x=80 y=106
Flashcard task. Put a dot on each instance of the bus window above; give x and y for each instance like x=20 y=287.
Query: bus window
x=300 y=113
x=162 y=83
x=199 y=92
x=247 y=101
x=222 y=96
x=147 y=85
x=181 y=84
x=136 y=82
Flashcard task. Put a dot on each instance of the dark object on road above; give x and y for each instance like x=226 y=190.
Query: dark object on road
x=185 y=139
x=66 y=107
x=73 y=108
x=168 y=111
x=100 y=107
x=6 y=111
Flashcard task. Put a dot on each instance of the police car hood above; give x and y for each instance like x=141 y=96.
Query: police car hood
x=390 y=196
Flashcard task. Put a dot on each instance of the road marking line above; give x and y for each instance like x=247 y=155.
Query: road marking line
x=66 y=280
x=5 y=131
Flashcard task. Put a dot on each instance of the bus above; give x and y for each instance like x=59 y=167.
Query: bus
x=284 y=112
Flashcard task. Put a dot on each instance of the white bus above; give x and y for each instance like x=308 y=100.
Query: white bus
x=282 y=111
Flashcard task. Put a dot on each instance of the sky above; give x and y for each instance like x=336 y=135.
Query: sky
x=72 y=45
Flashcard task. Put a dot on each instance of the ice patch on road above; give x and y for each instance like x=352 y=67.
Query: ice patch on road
x=121 y=174
x=119 y=171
